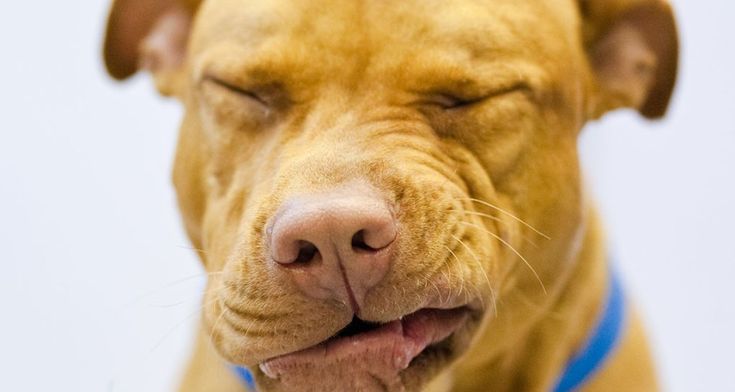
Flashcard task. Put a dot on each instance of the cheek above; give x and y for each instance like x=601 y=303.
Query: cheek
x=546 y=188
x=221 y=229
x=235 y=155
x=228 y=177
x=498 y=133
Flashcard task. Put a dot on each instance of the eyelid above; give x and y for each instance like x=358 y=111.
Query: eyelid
x=450 y=101
x=234 y=88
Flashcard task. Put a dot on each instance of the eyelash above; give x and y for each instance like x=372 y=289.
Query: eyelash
x=237 y=90
x=452 y=102
x=449 y=102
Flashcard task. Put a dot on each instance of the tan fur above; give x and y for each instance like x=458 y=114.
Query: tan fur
x=354 y=91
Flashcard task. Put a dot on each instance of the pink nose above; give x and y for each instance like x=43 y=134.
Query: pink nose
x=335 y=245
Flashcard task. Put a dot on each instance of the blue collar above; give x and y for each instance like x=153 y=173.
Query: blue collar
x=585 y=363
x=246 y=376
x=602 y=341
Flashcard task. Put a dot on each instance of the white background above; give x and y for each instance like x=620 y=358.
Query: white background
x=92 y=254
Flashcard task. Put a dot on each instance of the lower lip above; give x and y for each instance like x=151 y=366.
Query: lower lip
x=391 y=347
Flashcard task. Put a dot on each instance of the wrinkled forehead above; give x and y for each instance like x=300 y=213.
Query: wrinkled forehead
x=364 y=32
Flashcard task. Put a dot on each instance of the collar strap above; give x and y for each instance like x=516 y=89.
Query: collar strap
x=246 y=376
x=601 y=343
x=584 y=364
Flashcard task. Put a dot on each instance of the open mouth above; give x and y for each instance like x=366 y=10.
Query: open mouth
x=367 y=356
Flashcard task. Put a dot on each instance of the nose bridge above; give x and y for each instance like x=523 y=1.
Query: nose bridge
x=326 y=165
x=330 y=150
x=347 y=113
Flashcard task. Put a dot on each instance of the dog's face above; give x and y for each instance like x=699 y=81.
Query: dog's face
x=373 y=185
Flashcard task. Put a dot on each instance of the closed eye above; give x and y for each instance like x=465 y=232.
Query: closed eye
x=448 y=101
x=236 y=89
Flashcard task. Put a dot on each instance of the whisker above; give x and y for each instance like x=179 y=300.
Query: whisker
x=453 y=254
x=192 y=248
x=504 y=242
x=114 y=380
x=495 y=219
x=179 y=303
x=530 y=241
x=174 y=328
x=506 y=213
x=170 y=285
x=460 y=275
x=448 y=279
x=479 y=265
x=482 y=214
x=438 y=292
x=216 y=321
x=429 y=283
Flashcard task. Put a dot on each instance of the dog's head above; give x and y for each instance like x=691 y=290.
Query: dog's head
x=371 y=184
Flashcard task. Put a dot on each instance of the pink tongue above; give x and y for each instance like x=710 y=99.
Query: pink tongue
x=367 y=361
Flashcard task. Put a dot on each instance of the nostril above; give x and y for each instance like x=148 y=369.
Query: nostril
x=307 y=252
x=358 y=242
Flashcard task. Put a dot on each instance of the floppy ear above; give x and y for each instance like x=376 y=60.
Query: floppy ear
x=150 y=35
x=634 y=51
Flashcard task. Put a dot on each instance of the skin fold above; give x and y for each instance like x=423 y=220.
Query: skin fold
x=462 y=115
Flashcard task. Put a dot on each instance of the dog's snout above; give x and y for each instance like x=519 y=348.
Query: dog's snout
x=335 y=244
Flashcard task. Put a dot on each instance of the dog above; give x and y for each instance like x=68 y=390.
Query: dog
x=387 y=195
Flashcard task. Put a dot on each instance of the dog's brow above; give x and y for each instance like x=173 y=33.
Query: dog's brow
x=475 y=81
x=248 y=76
x=245 y=68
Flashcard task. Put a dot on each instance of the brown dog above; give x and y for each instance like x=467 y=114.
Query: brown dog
x=387 y=193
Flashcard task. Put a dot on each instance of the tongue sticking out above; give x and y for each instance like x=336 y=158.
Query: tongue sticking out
x=367 y=361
